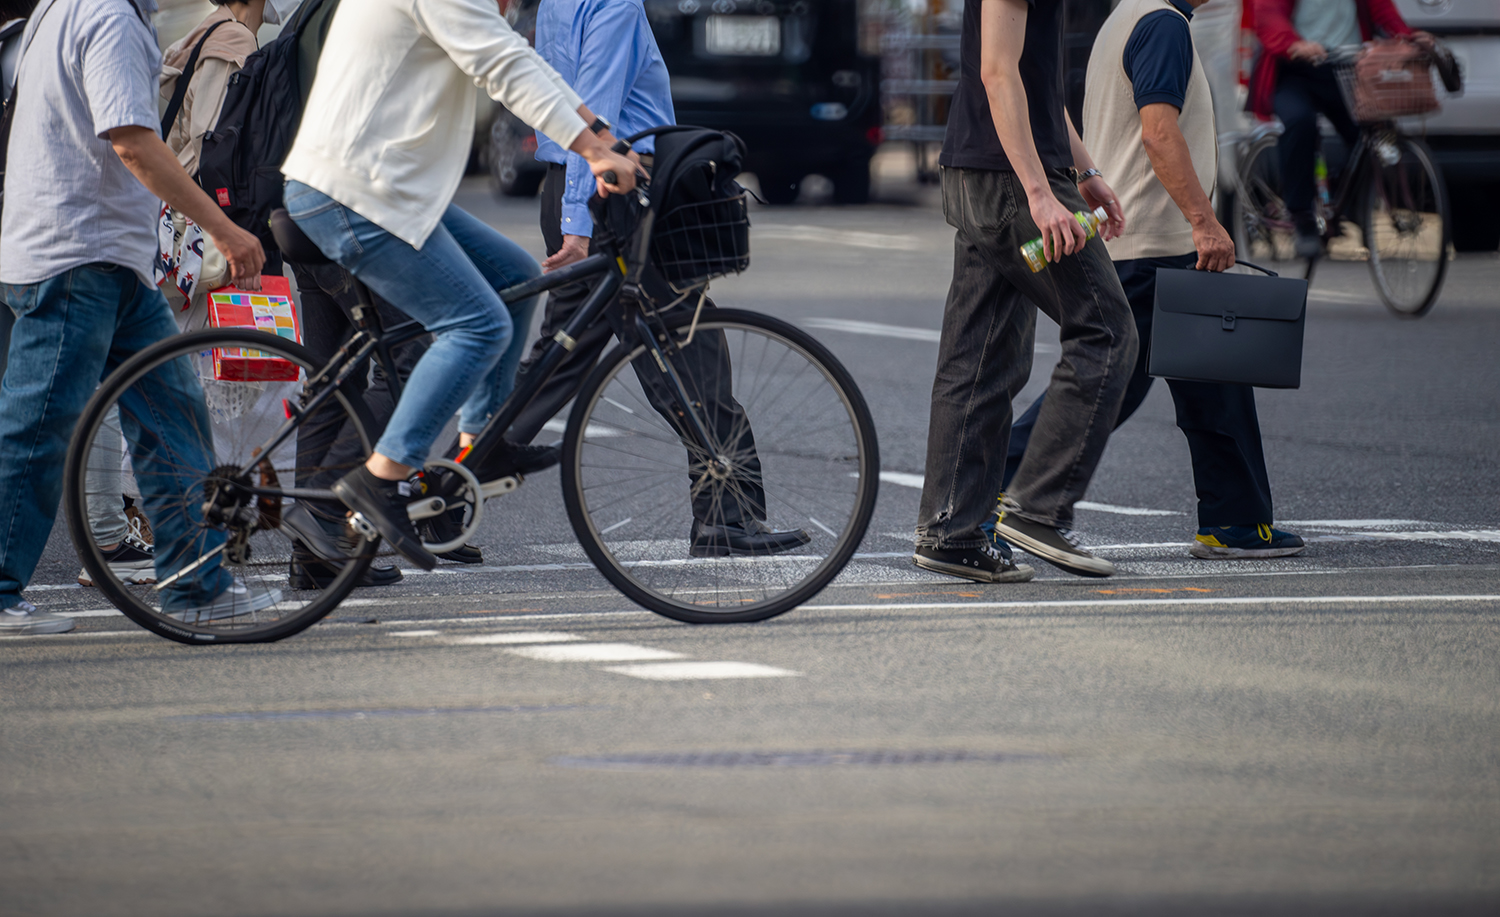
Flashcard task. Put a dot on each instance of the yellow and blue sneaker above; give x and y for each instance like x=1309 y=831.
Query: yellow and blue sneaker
x=1221 y=542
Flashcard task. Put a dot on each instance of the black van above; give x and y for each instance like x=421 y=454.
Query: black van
x=787 y=76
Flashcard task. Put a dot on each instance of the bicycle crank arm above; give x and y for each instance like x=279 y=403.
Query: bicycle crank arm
x=501 y=487
x=436 y=506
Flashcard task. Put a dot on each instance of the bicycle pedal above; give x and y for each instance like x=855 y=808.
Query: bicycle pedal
x=364 y=527
x=500 y=488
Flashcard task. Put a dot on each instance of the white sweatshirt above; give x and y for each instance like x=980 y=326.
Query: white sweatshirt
x=390 y=118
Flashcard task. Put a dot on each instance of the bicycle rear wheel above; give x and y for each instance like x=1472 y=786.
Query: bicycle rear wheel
x=218 y=532
x=1265 y=223
x=795 y=449
x=1406 y=227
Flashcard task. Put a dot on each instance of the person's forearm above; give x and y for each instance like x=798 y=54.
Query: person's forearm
x=153 y=163
x=1168 y=151
x=1012 y=119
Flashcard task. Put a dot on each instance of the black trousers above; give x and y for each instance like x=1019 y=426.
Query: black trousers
x=328 y=447
x=705 y=366
x=1219 y=421
x=1302 y=92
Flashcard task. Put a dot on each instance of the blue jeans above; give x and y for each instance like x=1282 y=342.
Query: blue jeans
x=72 y=330
x=449 y=286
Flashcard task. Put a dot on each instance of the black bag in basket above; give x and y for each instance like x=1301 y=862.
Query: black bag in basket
x=702 y=226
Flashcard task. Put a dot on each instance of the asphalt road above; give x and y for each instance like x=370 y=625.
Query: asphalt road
x=1310 y=735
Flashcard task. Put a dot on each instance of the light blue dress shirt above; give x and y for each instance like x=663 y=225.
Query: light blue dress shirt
x=606 y=52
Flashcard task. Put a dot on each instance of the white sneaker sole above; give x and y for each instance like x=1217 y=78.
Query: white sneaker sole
x=1021 y=574
x=1209 y=552
x=1079 y=564
x=130 y=574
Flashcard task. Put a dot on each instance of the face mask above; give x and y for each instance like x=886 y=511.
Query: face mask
x=279 y=11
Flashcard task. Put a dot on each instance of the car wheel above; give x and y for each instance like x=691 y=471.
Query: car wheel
x=779 y=188
x=508 y=155
x=1474 y=226
x=851 y=182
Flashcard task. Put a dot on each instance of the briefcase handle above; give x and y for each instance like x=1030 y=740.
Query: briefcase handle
x=1251 y=264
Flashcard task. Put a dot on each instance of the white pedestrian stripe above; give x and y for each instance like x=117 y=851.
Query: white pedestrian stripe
x=851 y=238
x=902 y=479
x=514 y=638
x=905 y=479
x=415 y=633
x=1272 y=601
x=685 y=671
x=594 y=652
x=882 y=330
x=1352 y=523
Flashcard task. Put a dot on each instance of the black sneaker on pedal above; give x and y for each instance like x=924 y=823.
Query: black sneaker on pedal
x=383 y=504
x=1058 y=547
x=983 y=564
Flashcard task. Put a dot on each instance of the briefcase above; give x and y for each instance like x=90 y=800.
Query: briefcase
x=1239 y=328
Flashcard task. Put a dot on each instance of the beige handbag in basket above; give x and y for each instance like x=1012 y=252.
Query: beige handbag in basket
x=1393 y=79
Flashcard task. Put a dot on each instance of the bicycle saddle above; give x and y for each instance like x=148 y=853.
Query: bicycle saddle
x=293 y=242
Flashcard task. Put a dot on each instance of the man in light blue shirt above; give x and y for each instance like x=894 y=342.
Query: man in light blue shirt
x=86 y=168
x=606 y=52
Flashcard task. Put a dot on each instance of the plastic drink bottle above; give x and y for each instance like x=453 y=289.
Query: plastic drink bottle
x=1320 y=174
x=1036 y=259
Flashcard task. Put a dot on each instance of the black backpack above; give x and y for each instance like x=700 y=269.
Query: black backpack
x=240 y=166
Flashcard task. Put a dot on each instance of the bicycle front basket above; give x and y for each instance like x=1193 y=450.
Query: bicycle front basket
x=697 y=242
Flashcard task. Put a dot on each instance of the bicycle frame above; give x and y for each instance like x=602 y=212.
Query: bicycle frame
x=371 y=340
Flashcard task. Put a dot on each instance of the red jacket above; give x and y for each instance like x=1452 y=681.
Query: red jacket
x=1273 y=26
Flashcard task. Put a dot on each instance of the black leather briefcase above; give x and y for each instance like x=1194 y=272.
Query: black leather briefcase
x=1241 y=328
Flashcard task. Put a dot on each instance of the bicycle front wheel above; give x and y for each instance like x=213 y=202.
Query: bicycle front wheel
x=793 y=452
x=1265 y=229
x=1406 y=226
x=170 y=431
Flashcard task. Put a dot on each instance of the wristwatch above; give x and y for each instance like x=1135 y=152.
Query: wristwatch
x=1087 y=174
x=600 y=126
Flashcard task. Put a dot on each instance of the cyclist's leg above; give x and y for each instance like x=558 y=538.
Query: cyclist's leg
x=503 y=263
x=439 y=286
x=164 y=420
x=1296 y=104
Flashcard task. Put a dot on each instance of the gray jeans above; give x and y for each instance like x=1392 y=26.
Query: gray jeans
x=984 y=360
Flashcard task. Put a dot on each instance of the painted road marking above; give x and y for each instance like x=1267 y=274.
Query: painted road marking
x=904 y=332
x=906 y=479
x=414 y=633
x=594 y=652
x=1159 y=603
x=1352 y=523
x=684 y=671
x=852 y=238
x=515 y=638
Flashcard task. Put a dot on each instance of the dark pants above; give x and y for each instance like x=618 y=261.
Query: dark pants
x=1219 y=421
x=1302 y=92
x=704 y=365
x=984 y=360
x=328 y=447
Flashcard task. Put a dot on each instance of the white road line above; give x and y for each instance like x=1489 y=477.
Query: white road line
x=851 y=238
x=1352 y=523
x=594 y=652
x=90 y=613
x=902 y=479
x=904 y=332
x=414 y=633
x=1492 y=535
x=1158 y=603
x=684 y=671
x=515 y=638
x=1124 y=510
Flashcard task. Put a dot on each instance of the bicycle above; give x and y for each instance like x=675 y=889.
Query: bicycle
x=725 y=412
x=1390 y=208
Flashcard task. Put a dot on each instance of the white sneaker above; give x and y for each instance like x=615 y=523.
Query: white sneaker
x=133 y=562
x=24 y=620
x=233 y=602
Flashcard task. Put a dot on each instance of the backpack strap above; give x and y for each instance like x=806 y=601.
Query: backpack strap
x=174 y=107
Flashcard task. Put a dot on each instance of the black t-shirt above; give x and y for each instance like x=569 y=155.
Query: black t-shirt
x=971 y=141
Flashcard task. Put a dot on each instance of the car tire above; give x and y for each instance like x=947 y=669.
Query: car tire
x=1475 y=228
x=851 y=182
x=779 y=188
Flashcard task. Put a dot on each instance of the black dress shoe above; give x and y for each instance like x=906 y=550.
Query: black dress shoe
x=445 y=527
x=383 y=505
x=307 y=572
x=748 y=538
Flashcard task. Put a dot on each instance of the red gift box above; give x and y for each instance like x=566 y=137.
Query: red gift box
x=270 y=310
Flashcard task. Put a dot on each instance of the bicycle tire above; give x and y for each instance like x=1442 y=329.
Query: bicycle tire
x=274 y=622
x=1391 y=230
x=714 y=589
x=1264 y=224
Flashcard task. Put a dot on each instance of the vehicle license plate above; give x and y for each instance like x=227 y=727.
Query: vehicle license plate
x=744 y=36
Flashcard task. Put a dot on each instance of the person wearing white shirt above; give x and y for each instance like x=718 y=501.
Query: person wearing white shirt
x=370 y=177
